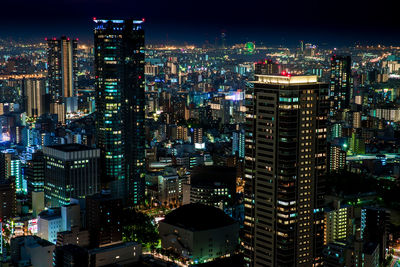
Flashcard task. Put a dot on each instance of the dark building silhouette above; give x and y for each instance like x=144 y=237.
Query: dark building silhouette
x=70 y=256
x=374 y=228
x=7 y=200
x=103 y=219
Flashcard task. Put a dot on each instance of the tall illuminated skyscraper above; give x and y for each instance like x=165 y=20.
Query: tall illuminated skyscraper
x=119 y=69
x=285 y=157
x=62 y=73
x=341 y=86
x=34 y=90
x=62 y=67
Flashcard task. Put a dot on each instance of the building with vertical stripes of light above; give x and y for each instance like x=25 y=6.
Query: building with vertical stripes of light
x=285 y=157
x=62 y=67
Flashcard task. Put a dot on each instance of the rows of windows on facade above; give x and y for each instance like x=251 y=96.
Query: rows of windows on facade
x=116 y=154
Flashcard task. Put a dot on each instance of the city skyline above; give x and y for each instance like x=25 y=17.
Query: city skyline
x=173 y=22
x=181 y=133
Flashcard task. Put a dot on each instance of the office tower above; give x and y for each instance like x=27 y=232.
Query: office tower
x=7 y=200
x=374 y=228
x=71 y=171
x=34 y=90
x=62 y=67
x=103 y=219
x=34 y=173
x=341 y=84
x=285 y=157
x=120 y=100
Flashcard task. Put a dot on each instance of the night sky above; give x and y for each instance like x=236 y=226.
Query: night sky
x=336 y=23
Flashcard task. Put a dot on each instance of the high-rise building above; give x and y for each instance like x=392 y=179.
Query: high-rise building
x=374 y=228
x=34 y=176
x=338 y=222
x=62 y=74
x=34 y=173
x=34 y=90
x=7 y=200
x=197 y=134
x=12 y=169
x=238 y=139
x=62 y=67
x=103 y=219
x=120 y=100
x=71 y=171
x=285 y=158
x=341 y=84
x=337 y=158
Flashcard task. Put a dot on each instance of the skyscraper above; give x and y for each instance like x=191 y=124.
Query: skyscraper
x=62 y=73
x=119 y=69
x=34 y=176
x=34 y=90
x=285 y=156
x=341 y=86
x=62 y=67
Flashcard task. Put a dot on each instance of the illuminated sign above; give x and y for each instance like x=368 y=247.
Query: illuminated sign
x=32 y=226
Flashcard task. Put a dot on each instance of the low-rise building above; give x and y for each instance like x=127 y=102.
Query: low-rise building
x=199 y=233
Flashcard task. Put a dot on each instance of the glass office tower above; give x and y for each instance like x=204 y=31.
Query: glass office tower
x=119 y=69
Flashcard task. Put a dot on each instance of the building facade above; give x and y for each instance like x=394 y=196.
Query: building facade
x=62 y=67
x=119 y=69
x=341 y=84
x=71 y=171
x=285 y=156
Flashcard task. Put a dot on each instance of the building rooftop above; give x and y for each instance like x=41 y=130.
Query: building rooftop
x=113 y=247
x=198 y=217
x=286 y=79
x=214 y=176
x=71 y=147
x=50 y=214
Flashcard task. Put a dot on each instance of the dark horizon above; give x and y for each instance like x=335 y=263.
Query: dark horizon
x=272 y=23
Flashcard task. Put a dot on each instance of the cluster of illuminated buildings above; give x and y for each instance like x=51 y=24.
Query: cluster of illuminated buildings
x=88 y=132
